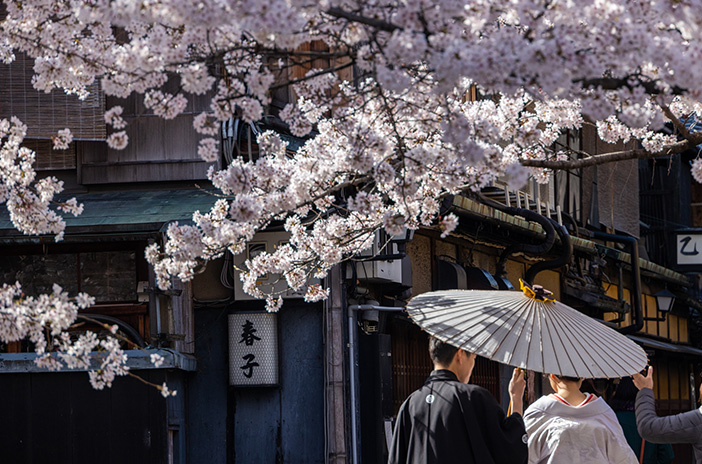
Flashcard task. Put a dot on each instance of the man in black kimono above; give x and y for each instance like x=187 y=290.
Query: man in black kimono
x=448 y=421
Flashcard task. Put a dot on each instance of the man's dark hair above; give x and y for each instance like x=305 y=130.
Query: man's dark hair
x=441 y=352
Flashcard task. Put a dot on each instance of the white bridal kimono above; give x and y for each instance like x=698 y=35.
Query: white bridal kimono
x=587 y=434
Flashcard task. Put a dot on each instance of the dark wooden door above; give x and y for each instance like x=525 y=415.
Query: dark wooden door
x=58 y=417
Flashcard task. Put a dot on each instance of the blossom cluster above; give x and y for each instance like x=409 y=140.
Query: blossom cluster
x=45 y=322
x=447 y=97
x=28 y=200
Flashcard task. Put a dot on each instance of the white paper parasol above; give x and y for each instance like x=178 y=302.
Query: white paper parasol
x=542 y=335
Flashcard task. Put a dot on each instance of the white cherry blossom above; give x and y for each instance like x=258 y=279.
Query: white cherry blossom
x=62 y=139
x=445 y=98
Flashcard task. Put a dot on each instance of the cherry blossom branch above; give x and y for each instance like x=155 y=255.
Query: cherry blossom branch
x=313 y=75
x=163 y=388
x=596 y=160
x=379 y=152
x=356 y=18
x=651 y=87
x=675 y=121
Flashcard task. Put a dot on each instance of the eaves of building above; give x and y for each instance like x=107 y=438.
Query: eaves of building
x=127 y=214
x=24 y=363
x=480 y=212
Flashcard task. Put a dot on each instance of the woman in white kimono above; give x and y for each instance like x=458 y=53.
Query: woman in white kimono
x=572 y=427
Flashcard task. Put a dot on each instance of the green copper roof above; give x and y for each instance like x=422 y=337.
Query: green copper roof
x=128 y=211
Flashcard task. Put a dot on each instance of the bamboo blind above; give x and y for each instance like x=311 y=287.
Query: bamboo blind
x=48 y=158
x=47 y=113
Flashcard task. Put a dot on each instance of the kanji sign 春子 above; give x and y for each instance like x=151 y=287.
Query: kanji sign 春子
x=253 y=349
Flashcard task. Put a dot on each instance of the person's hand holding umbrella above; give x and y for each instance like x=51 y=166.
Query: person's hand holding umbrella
x=641 y=381
x=516 y=391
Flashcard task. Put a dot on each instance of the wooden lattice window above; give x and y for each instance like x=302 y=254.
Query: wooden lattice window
x=109 y=276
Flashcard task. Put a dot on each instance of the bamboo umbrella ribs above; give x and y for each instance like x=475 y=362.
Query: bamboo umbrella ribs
x=527 y=329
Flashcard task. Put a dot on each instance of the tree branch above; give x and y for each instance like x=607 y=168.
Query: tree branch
x=613 y=83
x=668 y=150
x=376 y=23
x=676 y=121
x=307 y=77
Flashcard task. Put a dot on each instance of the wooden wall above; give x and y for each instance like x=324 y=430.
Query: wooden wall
x=674 y=327
x=206 y=395
x=59 y=417
x=158 y=150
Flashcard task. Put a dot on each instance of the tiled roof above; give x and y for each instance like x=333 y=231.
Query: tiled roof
x=582 y=244
x=129 y=210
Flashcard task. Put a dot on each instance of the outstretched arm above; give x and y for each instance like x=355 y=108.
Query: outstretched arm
x=679 y=428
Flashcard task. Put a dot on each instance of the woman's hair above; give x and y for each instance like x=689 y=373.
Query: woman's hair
x=441 y=352
x=624 y=397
